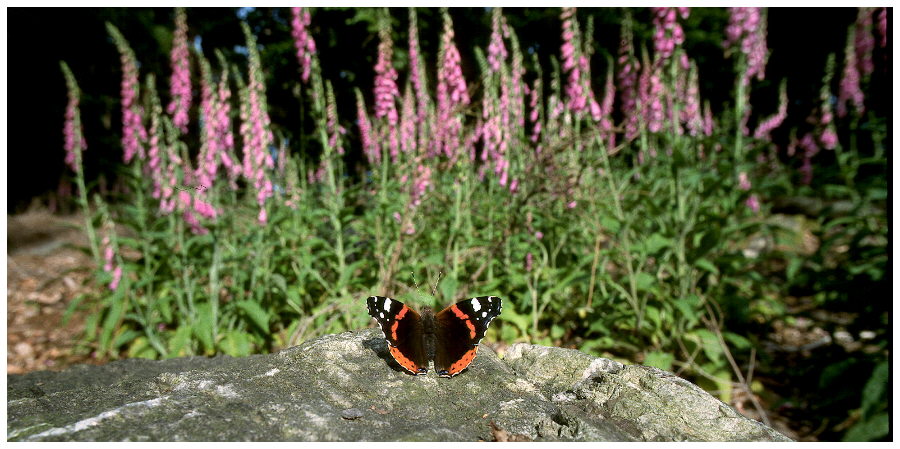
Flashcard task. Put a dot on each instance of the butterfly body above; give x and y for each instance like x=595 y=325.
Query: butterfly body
x=448 y=338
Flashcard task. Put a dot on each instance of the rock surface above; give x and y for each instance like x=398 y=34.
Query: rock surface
x=346 y=387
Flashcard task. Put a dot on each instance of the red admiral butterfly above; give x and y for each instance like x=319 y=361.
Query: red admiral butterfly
x=449 y=338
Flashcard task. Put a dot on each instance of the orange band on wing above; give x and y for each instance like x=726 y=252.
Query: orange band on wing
x=397 y=319
x=406 y=363
x=463 y=362
x=461 y=315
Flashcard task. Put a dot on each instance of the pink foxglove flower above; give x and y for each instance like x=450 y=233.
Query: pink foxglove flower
x=753 y=203
x=864 y=41
x=496 y=50
x=110 y=265
x=535 y=115
x=155 y=152
x=73 y=133
x=707 y=120
x=764 y=129
x=303 y=41
x=421 y=182
x=746 y=32
x=255 y=128
x=810 y=148
x=133 y=132
x=369 y=144
x=181 y=74
x=627 y=78
x=386 y=92
x=408 y=122
x=827 y=134
x=451 y=93
x=651 y=91
x=575 y=62
x=691 y=114
x=743 y=181
x=416 y=71
x=850 y=91
x=668 y=32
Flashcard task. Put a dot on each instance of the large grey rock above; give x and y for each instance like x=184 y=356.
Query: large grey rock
x=346 y=387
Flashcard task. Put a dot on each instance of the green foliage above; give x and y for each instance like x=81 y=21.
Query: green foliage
x=874 y=421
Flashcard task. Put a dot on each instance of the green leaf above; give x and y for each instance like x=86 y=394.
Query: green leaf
x=70 y=309
x=794 y=265
x=661 y=360
x=178 y=344
x=737 y=341
x=279 y=282
x=874 y=393
x=203 y=326
x=706 y=265
x=257 y=315
x=115 y=311
x=688 y=306
x=708 y=342
x=448 y=287
x=556 y=331
x=871 y=429
x=600 y=327
x=124 y=337
x=655 y=243
x=610 y=224
x=236 y=344
x=142 y=349
x=644 y=281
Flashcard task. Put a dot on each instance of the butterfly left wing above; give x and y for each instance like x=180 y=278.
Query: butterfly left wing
x=402 y=328
x=459 y=329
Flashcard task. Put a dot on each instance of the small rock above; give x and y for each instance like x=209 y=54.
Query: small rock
x=23 y=349
x=352 y=413
x=70 y=283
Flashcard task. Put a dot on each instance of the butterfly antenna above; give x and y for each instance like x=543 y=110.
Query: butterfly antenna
x=435 y=286
x=413 y=273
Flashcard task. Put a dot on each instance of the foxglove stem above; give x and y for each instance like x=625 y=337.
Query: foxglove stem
x=78 y=145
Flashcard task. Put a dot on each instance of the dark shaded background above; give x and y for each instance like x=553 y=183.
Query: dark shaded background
x=799 y=40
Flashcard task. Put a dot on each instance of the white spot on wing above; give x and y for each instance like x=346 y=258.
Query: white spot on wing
x=476 y=306
x=387 y=304
x=382 y=315
x=484 y=314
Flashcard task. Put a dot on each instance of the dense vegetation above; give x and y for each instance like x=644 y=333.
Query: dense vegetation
x=615 y=207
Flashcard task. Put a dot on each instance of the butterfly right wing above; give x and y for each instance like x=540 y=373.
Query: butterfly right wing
x=402 y=328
